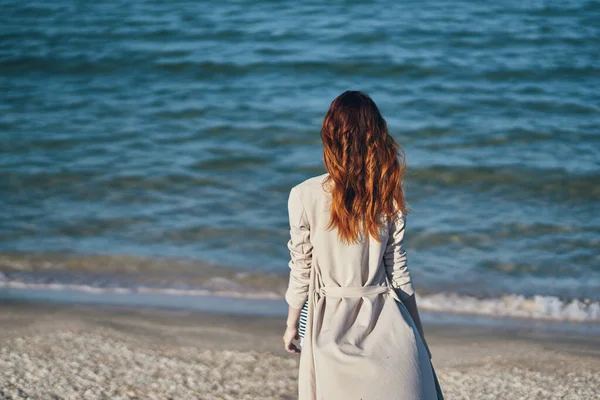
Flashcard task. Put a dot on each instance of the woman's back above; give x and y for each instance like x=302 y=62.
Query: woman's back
x=347 y=262
x=360 y=341
x=341 y=264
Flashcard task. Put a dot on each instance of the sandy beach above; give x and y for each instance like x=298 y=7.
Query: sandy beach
x=148 y=151
x=76 y=352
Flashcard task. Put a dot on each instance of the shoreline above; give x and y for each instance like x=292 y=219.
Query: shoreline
x=161 y=282
x=517 y=311
x=127 y=352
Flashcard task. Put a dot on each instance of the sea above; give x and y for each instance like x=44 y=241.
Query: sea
x=147 y=148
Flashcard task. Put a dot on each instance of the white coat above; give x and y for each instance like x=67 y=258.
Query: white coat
x=361 y=343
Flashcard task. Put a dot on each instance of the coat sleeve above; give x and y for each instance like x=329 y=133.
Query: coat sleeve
x=300 y=252
x=394 y=259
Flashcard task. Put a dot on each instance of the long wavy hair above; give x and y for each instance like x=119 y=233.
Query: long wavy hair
x=366 y=167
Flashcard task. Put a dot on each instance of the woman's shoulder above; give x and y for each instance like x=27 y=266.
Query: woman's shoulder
x=311 y=191
x=311 y=184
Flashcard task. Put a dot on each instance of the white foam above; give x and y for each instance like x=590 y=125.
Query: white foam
x=515 y=306
x=145 y=290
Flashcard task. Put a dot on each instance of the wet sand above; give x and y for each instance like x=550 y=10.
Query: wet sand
x=74 y=352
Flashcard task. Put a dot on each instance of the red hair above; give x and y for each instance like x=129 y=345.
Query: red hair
x=365 y=164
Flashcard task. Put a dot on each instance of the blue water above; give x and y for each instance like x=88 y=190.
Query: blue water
x=174 y=130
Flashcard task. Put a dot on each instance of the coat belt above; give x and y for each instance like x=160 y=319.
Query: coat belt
x=354 y=291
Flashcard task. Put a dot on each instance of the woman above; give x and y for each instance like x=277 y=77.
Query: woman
x=364 y=338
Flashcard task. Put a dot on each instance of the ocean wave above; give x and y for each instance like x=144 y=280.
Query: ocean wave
x=83 y=63
x=264 y=295
x=537 y=307
x=552 y=183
